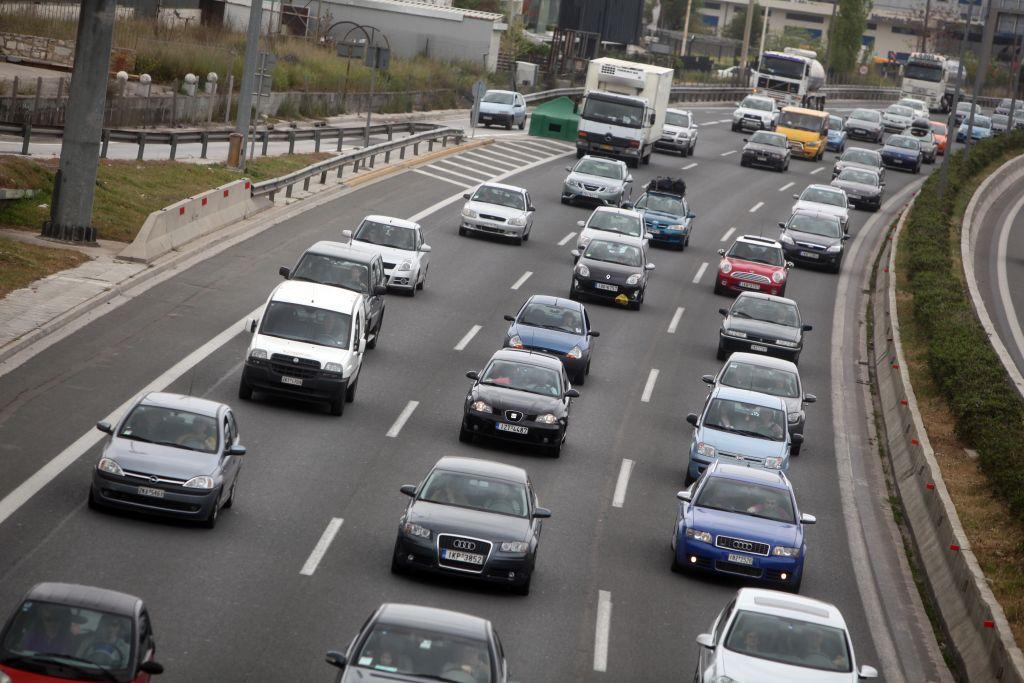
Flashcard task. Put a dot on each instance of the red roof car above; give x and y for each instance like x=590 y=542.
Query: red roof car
x=754 y=264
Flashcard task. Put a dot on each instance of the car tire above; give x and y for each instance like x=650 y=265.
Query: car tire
x=211 y=520
x=522 y=124
x=796 y=358
x=463 y=232
x=526 y=236
x=795 y=588
x=718 y=288
x=743 y=162
x=518 y=241
x=580 y=378
x=508 y=126
x=244 y=390
x=573 y=296
x=422 y=284
x=837 y=266
x=579 y=154
x=722 y=353
x=397 y=568
x=794 y=450
x=565 y=200
x=735 y=128
x=556 y=450
x=678 y=568
x=917 y=169
x=376 y=333
x=522 y=588
x=633 y=163
x=92 y=502
x=350 y=392
x=338 y=405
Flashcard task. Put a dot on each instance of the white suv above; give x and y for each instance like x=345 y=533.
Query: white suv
x=755 y=112
x=308 y=344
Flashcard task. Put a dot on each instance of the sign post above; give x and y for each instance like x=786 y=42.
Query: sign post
x=479 y=88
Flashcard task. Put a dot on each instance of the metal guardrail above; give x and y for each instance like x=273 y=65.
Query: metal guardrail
x=359 y=157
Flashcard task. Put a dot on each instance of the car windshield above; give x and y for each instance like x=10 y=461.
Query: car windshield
x=820 y=195
x=422 y=652
x=825 y=226
x=475 y=492
x=747 y=498
x=981 y=121
x=835 y=123
x=552 y=317
x=766 y=310
x=664 y=203
x=897 y=110
x=597 y=167
x=336 y=271
x=924 y=71
x=903 y=142
x=865 y=157
x=789 y=641
x=763 y=137
x=673 y=118
x=394 y=236
x=758 y=253
x=489 y=194
x=498 y=97
x=1001 y=119
x=865 y=115
x=799 y=121
x=857 y=175
x=613 y=221
x=527 y=377
x=308 y=324
x=758 y=103
x=748 y=419
x=761 y=378
x=614 y=252
x=617 y=113
x=89 y=643
x=777 y=65
x=171 y=427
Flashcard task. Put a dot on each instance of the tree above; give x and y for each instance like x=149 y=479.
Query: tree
x=673 y=15
x=734 y=29
x=844 y=35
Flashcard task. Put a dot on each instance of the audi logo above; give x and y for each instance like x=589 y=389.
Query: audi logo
x=460 y=544
x=742 y=545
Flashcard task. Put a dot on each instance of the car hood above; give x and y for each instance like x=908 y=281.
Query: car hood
x=489 y=526
x=840 y=165
x=502 y=398
x=744 y=111
x=898 y=152
x=814 y=207
x=745 y=526
x=505 y=212
x=668 y=129
x=595 y=180
x=539 y=337
x=857 y=188
x=753 y=447
x=746 y=668
x=389 y=254
x=862 y=124
x=610 y=272
x=495 y=108
x=760 y=147
x=159 y=460
x=762 y=328
x=811 y=238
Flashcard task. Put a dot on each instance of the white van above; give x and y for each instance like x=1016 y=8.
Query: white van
x=308 y=344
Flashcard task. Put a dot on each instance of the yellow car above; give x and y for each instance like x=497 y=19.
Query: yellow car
x=806 y=130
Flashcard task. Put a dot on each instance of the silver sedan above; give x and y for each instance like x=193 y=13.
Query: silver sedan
x=499 y=210
x=596 y=180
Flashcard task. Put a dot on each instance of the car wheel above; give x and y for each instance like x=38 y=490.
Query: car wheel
x=211 y=520
x=350 y=392
x=722 y=351
x=92 y=502
x=526 y=236
x=338 y=404
x=508 y=126
x=244 y=390
x=518 y=241
x=837 y=266
x=718 y=288
x=372 y=344
x=423 y=283
x=522 y=124
x=587 y=371
x=794 y=450
x=795 y=587
x=397 y=567
x=580 y=378
x=743 y=162
x=463 y=232
x=735 y=128
x=917 y=169
x=579 y=154
x=565 y=200
x=782 y=292
x=573 y=295
x=676 y=567
x=796 y=358
x=556 y=450
x=231 y=495
x=687 y=479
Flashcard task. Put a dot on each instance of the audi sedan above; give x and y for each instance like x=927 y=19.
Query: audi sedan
x=521 y=396
x=171 y=455
x=473 y=519
x=613 y=268
x=560 y=327
x=498 y=210
x=596 y=180
x=814 y=239
x=761 y=323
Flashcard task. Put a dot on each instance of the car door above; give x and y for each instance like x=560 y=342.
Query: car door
x=707 y=655
x=520 y=112
x=146 y=649
x=231 y=463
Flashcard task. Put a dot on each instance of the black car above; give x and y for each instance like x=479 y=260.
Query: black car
x=340 y=265
x=521 y=396
x=813 y=238
x=864 y=124
x=68 y=631
x=413 y=643
x=858 y=157
x=863 y=187
x=766 y=149
x=612 y=268
x=762 y=323
x=474 y=519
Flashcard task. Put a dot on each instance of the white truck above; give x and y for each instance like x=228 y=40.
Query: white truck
x=623 y=109
x=926 y=77
x=793 y=77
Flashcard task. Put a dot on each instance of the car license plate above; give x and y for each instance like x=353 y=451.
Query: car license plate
x=514 y=429
x=750 y=285
x=762 y=157
x=459 y=556
x=152 y=493
x=809 y=254
x=608 y=288
x=759 y=347
x=291 y=380
x=606 y=147
x=858 y=131
x=486 y=118
x=741 y=559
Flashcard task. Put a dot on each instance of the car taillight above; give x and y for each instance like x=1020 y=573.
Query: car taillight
x=583 y=133
x=634 y=143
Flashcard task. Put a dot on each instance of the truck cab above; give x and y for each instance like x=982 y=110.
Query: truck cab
x=792 y=77
x=925 y=77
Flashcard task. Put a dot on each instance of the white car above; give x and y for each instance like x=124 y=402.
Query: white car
x=606 y=219
x=755 y=112
x=766 y=635
x=498 y=210
x=730 y=72
x=824 y=199
x=920 y=107
x=897 y=118
x=400 y=245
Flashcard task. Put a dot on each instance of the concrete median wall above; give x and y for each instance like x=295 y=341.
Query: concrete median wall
x=178 y=224
x=973 y=622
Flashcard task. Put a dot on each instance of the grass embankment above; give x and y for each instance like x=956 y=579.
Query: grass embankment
x=128 y=191
x=22 y=264
x=965 y=398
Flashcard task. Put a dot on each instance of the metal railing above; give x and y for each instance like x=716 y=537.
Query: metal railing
x=364 y=158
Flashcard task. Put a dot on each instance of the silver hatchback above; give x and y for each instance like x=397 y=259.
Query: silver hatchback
x=498 y=210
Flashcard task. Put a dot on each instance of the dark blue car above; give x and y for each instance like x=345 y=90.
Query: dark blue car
x=902 y=151
x=836 y=134
x=560 y=327
x=741 y=521
x=667 y=217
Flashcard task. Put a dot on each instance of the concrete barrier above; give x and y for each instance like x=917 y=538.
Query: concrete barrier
x=973 y=622
x=178 y=224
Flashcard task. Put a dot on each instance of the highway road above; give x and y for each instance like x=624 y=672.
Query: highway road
x=231 y=604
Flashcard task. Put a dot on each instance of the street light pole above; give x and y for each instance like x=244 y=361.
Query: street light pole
x=252 y=52
x=748 y=24
x=686 y=28
x=987 y=36
x=951 y=121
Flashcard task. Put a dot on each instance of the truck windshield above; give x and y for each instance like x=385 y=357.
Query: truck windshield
x=614 y=112
x=781 y=66
x=797 y=121
x=930 y=71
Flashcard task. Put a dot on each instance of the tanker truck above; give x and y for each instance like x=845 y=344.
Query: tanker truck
x=793 y=77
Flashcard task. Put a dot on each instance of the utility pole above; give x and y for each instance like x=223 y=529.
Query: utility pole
x=764 y=29
x=1015 y=70
x=748 y=24
x=924 y=33
x=686 y=28
x=988 y=34
x=951 y=121
x=252 y=52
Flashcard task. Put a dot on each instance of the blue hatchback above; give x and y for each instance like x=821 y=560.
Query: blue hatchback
x=741 y=522
x=981 y=130
x=560 y=327
x=836 y=134
x=667 y=217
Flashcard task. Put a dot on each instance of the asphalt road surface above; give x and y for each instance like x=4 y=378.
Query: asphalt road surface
x=231 y=604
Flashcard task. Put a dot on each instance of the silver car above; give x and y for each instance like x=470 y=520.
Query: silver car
x=597 y=180
x=400 y=245
x=864 y=124
x=499 y=210
x=606 y=220
x=679 y=133
x=897 y=118
x=502 y=107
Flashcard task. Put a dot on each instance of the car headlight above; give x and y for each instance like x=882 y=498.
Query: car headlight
x=835 y=249
x=481 y=407
x=515 y=341
x=737 y=114
x=404 y=266
x=706 y=449
x=469 y=213
x=787 y=343
x=547 y=419
x=575 y=352
x=258 y=354
x=773 y=463
x=794 y=417
x=778 y=276
x=201 y=482
x=783 y=551
x=786 y=239
x=514 y=546
x=110 y=467
x=702 y=536
x=517 y=221
x=633 y=279
x=725 y=267
x=334 y=367
x=735 y=333
x=411 y=529
x=582 y=270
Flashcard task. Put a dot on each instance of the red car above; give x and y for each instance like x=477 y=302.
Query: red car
x=753 y=264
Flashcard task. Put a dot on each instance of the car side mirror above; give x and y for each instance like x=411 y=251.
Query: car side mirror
x=510 y=318
x=409 y=490
x=721 y=252
x=580 y=224
x=629 y=179
x=796 y=438
x=808 y=519
x=782 y=226
x=285 y=272
x=575 y=253
x=708 y=379
x=807 y=328
x=845 y=237
x=346 y=233
x=594 y=333
x=810 y=398
x=152 y=668
x=650 y=266
x=746 y=140
x=572 y=393
x=105 y=427
x=685 y=496
x=692 y=419
x=691 y=214
x=706 y=640
x=652 y=118
x=531 y=207
x=252 y=325
x=867 y=672
x=541 y=513
x=380 y=290
x=796 y=196
x=724 y=311
x=425 y=248
x=472 y=374
x=235 y=449
x=466 y=196
x=336 y=659
x=790 y=264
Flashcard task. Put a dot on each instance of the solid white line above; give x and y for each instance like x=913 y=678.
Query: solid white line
x=321 y=546
x=725 y=120
x=675 y=320
x=437 y=177
x=689 y=166
x=1001 y=278
x=474 y=164
x=709 y=123
x=619 y=497
x=728 y=234
x=520 y=281
x=785 y=187
x=700 y=272
x=604 y=625
x=649 y=387
x=468 y=338
x=565 y=240
x=403 y=417
x=818 y=170
x=755 y=207
x=725 y=154
x=31 y=486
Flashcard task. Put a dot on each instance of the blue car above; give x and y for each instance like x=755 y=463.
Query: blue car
x=560 y=327
x=667 y=217
x=743 y=522
x=981 y=129
x=836 y=135
x=743 y=427
x=902 y=151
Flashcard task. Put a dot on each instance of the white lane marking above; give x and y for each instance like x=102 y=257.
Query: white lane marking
x=652 y=378
x=403 y=417
x=689 y=166
x=1001 y=278
x=700 y=272
x=521 y=280
x=725 y=154
x=818 y=170
x=728 y=234
x=709 y=123
x=31 y=486
x=320 y=549
x=467 y=338
x=755 y=207
x=438 y=177
x=619 y=496
x=675 y=320
x=604 y=625
x=523 y=150
x=725 y=121
x=475 y=165
x=476 y=179
x=531 y=146
x=786 y=187
x=514 y=154
x=489 y=159
x=565 y=240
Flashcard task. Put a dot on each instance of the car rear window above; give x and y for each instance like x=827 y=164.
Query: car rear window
x=766 y=380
